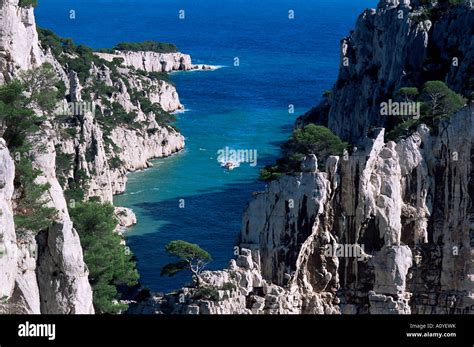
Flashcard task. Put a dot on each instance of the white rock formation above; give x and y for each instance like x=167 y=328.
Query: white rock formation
x=62 y=273
x=138 y=149
x=155 y=62
x=8 y=244
x=19 y=48
x=18 y=288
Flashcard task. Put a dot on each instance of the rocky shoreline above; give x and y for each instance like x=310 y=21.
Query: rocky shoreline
x=155 y=62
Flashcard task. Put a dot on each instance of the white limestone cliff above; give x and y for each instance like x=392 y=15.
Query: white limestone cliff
x=62 y=274
x=137 y=146
x=19 y=49
x=8 y=243
x=37 y=289
x=405 y=205
x=155 y=62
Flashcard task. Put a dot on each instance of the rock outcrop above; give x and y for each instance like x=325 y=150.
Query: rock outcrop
x=19 y=48
x=107 y=158
x=61 y=272
x=391 y=47
x=8 y=243
x=155 y=62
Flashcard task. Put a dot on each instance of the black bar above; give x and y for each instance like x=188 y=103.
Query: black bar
x=209 y=330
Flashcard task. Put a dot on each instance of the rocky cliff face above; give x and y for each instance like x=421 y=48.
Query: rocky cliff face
x=50 y=274
x=19 y=47
x=386 y=229
x=155 y=62
x=394 y=46
x=46 y=273
x=131 y=146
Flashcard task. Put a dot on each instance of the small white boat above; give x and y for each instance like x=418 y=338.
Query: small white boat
x=230 y=165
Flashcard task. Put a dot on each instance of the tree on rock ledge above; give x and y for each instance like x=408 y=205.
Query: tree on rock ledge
x=191 y=257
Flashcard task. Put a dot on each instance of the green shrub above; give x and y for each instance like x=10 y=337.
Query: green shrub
x=82 y=63
x=58 y=45
x=77 y=58
x=162 y=117
x=117 y=61
x=407 y=93
x=77 y=186
x=42 y=83
x=109 y=263
x=207 y=293
x=271 y=172
x=115 y=116
x=64 y=164
x=312 y=139
x=401 y=130
x=229 y=286
x=21 y=123
x=61 y=87
x=30 y=211
x=153 y=46
x=106 y=50
x=190 y=257
x=115 y=162
x=28 y=3
x=159 y=76
x=438 y=102
x=102 y=90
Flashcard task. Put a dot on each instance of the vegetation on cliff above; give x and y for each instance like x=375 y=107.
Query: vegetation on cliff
x=191 y=257
x=312 y=139
x=147 y=46
x=80 y=59
x=437 y=103
x=35 y=89
x=26 y=104
x=28 y=3
x=110 y=264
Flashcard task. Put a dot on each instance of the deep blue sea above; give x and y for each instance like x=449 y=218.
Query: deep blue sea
x=282 y=62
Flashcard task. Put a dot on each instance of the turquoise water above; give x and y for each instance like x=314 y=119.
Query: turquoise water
x=282 y=62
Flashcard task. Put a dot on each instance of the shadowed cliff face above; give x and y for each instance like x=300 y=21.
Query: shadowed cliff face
x=391 y=47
